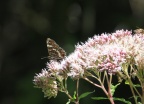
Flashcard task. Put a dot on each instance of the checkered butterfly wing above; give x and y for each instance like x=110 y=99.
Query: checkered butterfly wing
x=55 y=52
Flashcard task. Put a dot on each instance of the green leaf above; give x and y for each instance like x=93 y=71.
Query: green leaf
x=139 y=103
x=118 y=99
x=137 y=85
x=126 y=82
x=113 y=88
x=99 y=98
x=73 y=99
x=134 y=85
x=74 y=96
x=122 y=100
x=85 y=94
x=135 y=97
x=68 y=101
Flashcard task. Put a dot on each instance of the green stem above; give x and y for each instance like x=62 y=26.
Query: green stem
x=125 y=70
x=101 y=81
x=64 y=89
x=131 y=84
x=77 y=86
x=109 y=95
x=142 y=99
x=92 y=82
x=67 y=93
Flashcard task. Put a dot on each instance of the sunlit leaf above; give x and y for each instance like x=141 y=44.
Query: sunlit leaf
x=74 y=96
x=126 y=82
x=139 y=103
x=85 y=94
x=122 y=100
x=68 y=101
x=99 y=98
x=137 y=85
x=113 y=88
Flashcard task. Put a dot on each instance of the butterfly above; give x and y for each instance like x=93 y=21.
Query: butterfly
x=139 y=31
x=55 y=52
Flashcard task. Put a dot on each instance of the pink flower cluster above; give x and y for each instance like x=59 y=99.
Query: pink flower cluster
x=99 y=53
x=106 y=52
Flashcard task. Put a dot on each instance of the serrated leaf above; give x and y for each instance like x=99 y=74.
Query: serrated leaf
x=122 y=100
x=85 y=94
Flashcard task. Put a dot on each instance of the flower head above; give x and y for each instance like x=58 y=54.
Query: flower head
x=107 y=52
x=48 y=84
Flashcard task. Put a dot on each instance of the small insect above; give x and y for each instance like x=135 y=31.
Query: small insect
x=55 y=52
x=139 y=31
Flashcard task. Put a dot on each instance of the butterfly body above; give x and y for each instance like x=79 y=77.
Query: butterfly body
x=54 y=50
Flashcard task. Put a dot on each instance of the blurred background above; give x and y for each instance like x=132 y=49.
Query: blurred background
x=25 y=25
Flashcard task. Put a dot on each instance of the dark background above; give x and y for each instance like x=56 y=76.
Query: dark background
x=25 y=25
